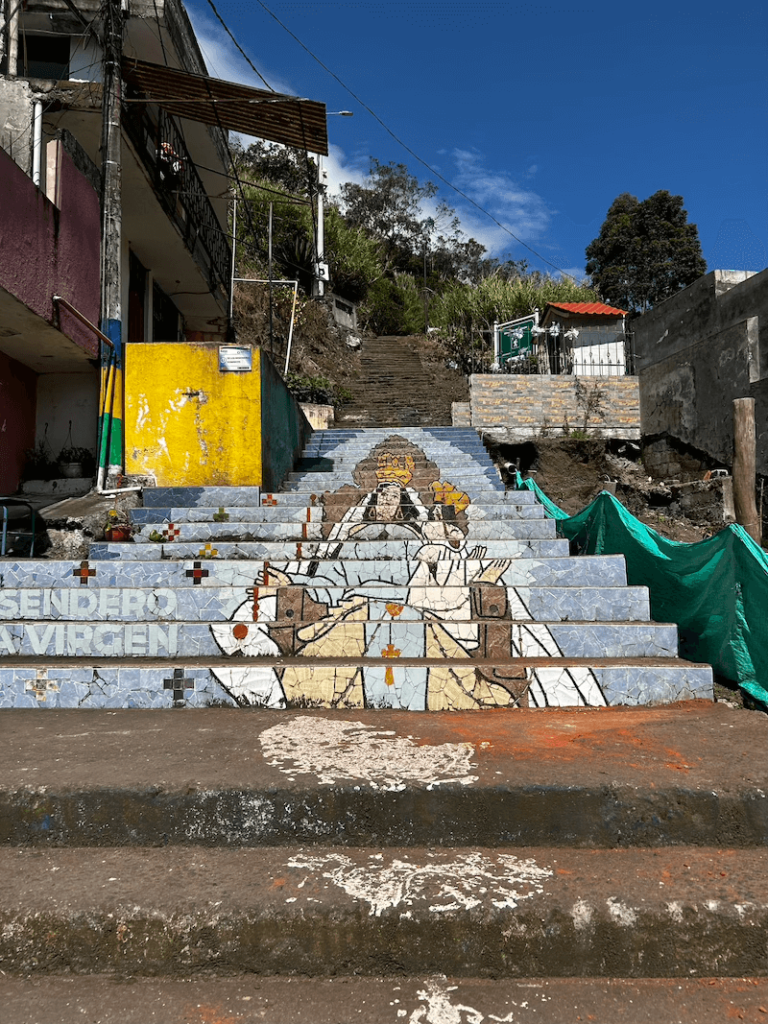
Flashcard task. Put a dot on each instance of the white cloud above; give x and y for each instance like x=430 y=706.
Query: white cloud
x=224 y=60
x=520 y=210
x=341 y=169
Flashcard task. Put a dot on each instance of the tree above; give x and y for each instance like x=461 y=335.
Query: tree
x=645 y=252
x=388 y=208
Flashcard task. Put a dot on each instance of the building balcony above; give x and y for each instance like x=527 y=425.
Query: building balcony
x=160 y=144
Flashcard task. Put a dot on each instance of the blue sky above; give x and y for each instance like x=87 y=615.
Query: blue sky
x=542 y=113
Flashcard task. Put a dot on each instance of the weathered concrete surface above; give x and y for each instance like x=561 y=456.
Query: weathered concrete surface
x=699 y=350
x=434 y=1000
x=693 y=773
x=476 y=913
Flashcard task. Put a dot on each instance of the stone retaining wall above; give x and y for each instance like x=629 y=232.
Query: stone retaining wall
x=520 y=406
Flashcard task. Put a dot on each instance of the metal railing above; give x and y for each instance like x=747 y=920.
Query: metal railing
x=595 y=354
x=180 y=190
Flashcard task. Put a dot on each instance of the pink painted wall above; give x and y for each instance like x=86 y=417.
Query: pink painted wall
x=18 y=387
x=47 y=251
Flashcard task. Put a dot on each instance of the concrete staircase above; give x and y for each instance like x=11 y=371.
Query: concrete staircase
x=394 y=389
x=334 y=862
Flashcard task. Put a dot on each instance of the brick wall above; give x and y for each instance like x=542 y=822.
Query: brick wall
x=520 y=406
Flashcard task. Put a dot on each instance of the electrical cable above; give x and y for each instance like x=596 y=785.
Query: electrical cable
x=407 y=148
x=251 y=65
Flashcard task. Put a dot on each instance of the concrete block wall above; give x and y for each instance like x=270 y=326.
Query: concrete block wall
x=522 y=406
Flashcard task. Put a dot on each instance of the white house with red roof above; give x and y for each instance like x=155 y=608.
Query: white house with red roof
x=587 y=339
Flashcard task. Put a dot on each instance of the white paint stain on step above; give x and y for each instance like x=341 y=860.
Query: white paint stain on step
x=337 y=751
x=460 y=883
x=438 y=1007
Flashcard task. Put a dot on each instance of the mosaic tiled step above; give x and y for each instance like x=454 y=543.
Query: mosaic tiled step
x=332 y=481
x=450 y=455
x=64 y=682
x=296 y=605
x=342 y=635
x=530 y=527
x=448 y=466
x=558 y=570
x=205 y=497
x=320 y=496
x=276 y=551
x=310 y=513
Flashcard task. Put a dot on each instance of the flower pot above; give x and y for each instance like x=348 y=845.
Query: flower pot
x=71 y=470
x=117 y=533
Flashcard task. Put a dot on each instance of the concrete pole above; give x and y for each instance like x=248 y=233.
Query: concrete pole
x=744 y=467
x=111 y=456
x=319 y=283
x=234 y=262
x=13 y=37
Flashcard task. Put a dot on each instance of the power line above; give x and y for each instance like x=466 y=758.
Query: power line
x=408 y=149
x=242 y=51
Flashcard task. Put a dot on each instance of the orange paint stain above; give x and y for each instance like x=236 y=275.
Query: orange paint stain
x=202 y=1014
x=616 y=735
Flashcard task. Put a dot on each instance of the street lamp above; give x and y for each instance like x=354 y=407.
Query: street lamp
x=321 y=267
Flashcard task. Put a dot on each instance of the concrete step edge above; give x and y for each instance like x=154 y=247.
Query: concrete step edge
x=250 y=999
x=515 y=911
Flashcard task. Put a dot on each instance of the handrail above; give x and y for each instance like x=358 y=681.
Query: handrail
x=83 y=319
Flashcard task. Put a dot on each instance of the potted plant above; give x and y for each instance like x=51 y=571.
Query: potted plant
x=72 y=461
x=117 y=527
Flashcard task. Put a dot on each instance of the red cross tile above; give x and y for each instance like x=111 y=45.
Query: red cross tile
x=84 y=573
x=197 y=573
x=171 y=532
x=268 y=500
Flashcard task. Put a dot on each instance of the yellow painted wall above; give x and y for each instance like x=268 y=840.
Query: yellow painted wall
x=187 y=423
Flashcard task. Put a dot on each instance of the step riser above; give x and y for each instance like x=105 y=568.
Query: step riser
x=468 y=469
x=557 y=816
x=322 y=458
x=205 y=497
x=185 y=604
x=413 y=688
x=559 y=570
x=355 y=639
x=531 y=527
x=310 y=513
x=474 y=484
x=311 y=496
x=521 y=914
x=274 y=551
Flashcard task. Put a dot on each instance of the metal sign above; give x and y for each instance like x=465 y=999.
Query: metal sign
x=516 y=341
x=234 y=359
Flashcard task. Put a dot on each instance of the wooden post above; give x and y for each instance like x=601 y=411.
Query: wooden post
x=744 y=467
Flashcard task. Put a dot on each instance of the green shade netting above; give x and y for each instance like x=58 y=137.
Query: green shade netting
x=716 y=591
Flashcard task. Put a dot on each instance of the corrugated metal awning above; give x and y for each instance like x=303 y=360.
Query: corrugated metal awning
x=238 y=108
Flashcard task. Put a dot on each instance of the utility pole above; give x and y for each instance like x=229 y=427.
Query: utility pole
x=111 y=427
x=320 y=269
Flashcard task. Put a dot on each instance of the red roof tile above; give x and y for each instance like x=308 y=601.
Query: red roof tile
x=588 y=307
